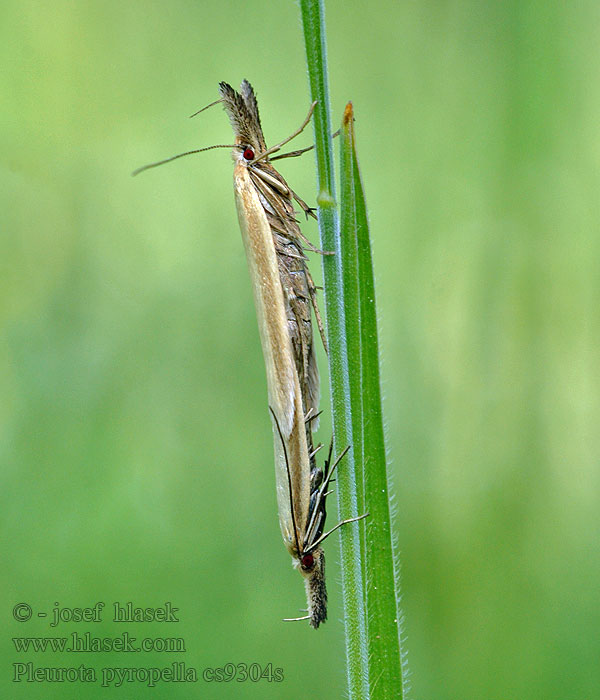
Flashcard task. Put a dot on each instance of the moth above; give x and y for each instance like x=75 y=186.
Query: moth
x=285 y=297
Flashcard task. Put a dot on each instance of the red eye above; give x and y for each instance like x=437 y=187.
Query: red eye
x=307 y=561
x=248 y=153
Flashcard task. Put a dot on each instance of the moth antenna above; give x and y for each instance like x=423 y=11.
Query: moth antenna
x=180 y=155
x=287 y=467
x=212 y=104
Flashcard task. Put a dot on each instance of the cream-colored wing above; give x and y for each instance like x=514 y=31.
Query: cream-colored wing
x=282 y=376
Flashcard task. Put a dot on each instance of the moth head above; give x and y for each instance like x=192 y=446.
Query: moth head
x=248 y=153
x=242 y=109
x=307 y=562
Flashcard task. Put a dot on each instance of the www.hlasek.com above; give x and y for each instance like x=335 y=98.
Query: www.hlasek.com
x=82 y=642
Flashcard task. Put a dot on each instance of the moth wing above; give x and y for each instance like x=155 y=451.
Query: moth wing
x=268 y=299
x=292 y=466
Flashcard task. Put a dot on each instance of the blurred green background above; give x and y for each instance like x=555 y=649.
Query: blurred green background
x=135 y=440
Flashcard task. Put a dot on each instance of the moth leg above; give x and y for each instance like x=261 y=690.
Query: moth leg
x=312 y=415
x=312 y=248
x=278 y=146
x=294 y=154
x=312 y=290
x=309 y=211
x=336 y=527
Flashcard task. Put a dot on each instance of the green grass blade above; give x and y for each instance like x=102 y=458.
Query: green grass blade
x=349 y=258
x=381 y=571
x=350 y=541
x=313 y=22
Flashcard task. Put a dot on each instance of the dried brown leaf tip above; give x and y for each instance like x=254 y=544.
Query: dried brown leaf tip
x=348 y=116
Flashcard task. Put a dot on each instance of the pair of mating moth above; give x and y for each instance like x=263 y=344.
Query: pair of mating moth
x=285 y=297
